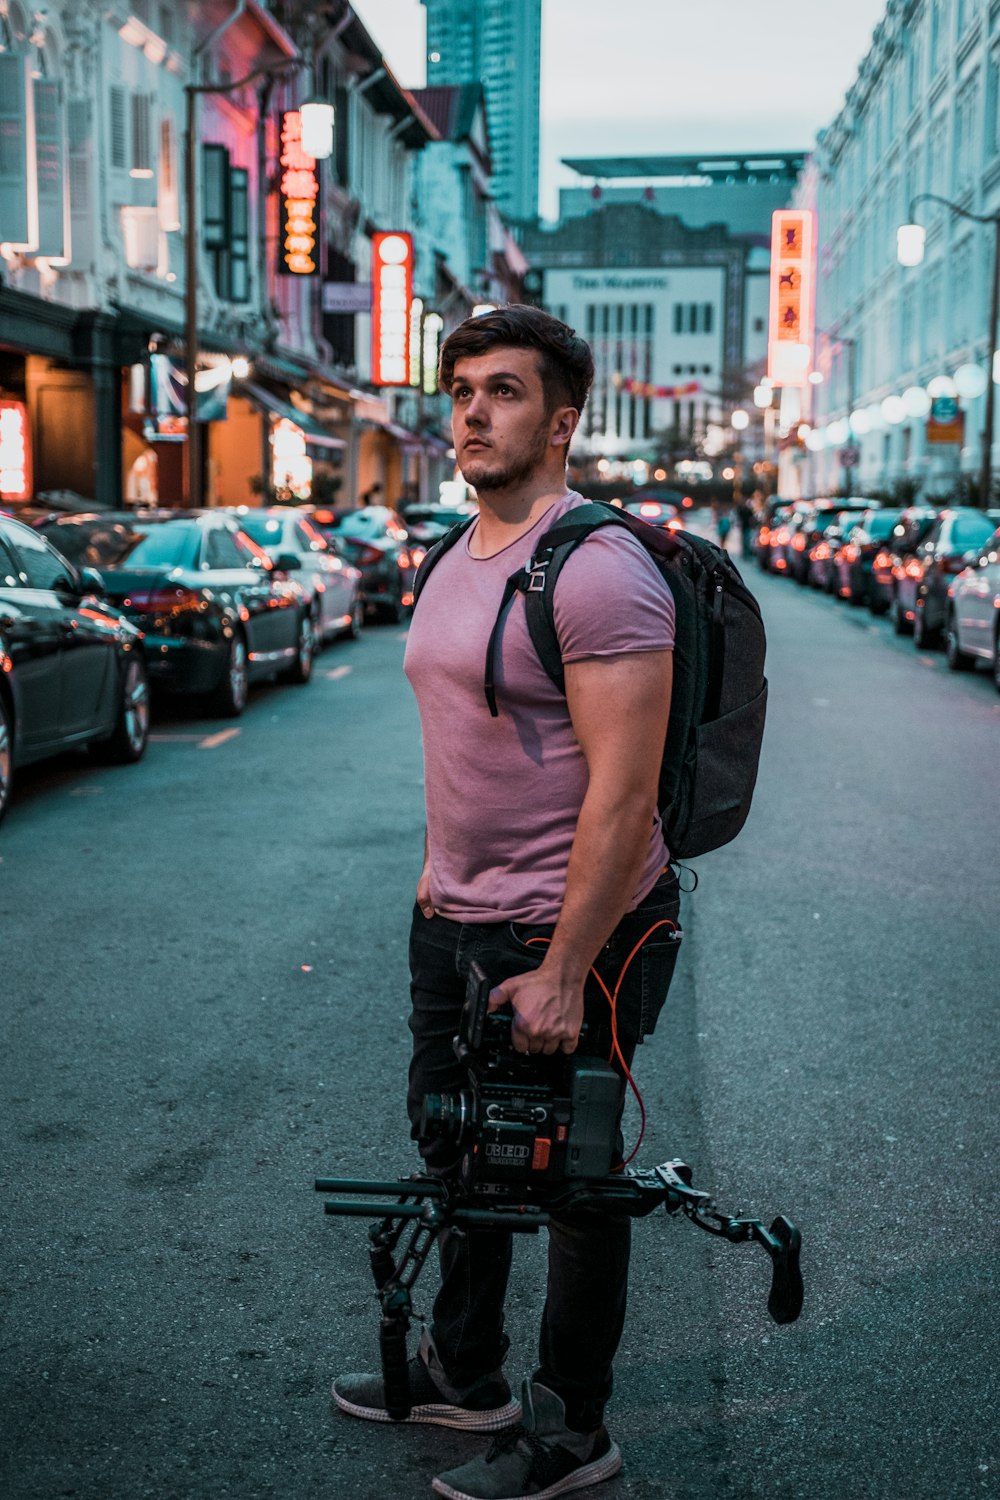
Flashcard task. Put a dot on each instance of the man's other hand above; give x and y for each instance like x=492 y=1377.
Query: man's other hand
x=548 y=1011
x=424 y=892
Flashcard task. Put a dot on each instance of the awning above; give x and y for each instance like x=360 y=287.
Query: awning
x=315 y=432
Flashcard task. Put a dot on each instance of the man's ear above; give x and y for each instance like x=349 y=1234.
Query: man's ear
x=564 y=423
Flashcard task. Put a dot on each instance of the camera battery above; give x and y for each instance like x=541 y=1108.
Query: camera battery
x=595 y=1091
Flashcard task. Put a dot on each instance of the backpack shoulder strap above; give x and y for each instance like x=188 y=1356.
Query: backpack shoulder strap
x=434 y=554
x=554 y=548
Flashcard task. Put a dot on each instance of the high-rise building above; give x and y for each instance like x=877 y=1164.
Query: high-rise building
x=497 y=43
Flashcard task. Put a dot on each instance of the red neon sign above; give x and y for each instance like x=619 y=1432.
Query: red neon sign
x=15 y=451
x=392 y=295
x=299 y=191
x=790 y=331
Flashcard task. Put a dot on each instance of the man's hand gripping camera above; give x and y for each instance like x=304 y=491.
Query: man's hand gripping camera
x=535 y=1137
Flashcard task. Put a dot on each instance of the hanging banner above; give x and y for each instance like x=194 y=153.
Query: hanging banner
x=392 y=294
x=168 y=396
x=790 y=329
x=648 y=392
x=298 y=233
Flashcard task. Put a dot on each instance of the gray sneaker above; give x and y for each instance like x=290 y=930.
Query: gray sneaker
x=485 y=1406
x=538 y=1459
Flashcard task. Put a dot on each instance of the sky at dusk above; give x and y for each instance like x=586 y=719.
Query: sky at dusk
x=669 y=75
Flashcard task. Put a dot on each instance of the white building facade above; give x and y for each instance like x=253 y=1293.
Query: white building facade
x=923 y=117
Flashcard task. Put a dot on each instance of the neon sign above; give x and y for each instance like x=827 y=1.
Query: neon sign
x=15 y=451
x=299 y=191
x=392 y=295
x=790 y=331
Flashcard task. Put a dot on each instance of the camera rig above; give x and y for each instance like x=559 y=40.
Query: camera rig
x=538 y=1136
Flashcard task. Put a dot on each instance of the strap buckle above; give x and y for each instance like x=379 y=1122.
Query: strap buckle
x=536 y=576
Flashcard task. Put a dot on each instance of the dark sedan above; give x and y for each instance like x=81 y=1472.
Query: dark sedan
x=855 y=557
x=894 y=556
x=375 y=540
x=72 y=670
x=215 y=612
x=953 y=541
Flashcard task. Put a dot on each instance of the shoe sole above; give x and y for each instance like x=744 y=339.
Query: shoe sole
x=596 y=1473
x=494 y=1420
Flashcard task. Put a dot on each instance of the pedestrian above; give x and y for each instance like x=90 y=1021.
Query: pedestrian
x=372 y=496
x=723 y=521
x=544 y=859
x=746 y=514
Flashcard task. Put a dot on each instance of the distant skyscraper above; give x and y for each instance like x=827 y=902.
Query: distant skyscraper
x=497 y=43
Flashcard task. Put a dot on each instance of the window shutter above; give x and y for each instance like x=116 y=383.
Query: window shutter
x=18 y=207
x=239 y=239
x=142 y=144
x=50 y=149
x=119 y=138
x=79 y=156
x=170 y=214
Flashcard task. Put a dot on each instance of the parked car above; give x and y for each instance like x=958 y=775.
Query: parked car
x=216 y=613
x=894 y=556
x=833 y=527
x=72 y=670
x=656 y=512
x=808 y=525
x=854 y=558
x=773 y=537
x=953 y=541
x=426 y=524
x=295 y=545
x=972 y=623
x=375 y=540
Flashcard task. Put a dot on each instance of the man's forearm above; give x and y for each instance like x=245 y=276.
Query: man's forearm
x=609 y=851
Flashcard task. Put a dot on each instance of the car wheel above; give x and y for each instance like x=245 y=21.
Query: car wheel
x=131 y=732
x=877 y=605
x=900 y=624
x=6 y=756
x=957 y=659
x=230 y=697
x=305 y=651
x=924 y=638
x=357 y=619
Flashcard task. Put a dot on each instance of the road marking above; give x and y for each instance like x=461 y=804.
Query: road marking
x=213 y=741
x=928 y=661
x=337 y=673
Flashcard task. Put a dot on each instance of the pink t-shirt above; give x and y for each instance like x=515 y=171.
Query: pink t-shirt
x=503 y=795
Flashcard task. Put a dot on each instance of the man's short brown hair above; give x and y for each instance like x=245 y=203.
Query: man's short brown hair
x=565 y=362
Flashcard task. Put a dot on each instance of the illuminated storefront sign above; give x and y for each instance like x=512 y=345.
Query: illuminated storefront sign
x=416 y=339
x=15 y=451
x=392 y=294
x=433 y=324
x=291 y=466
x=299 y=191
x=790 y=332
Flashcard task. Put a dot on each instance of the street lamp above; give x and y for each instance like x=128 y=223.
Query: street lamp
x=910 y=243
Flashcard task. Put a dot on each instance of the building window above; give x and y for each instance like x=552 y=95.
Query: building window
x=226 y=223
x=119 y=130
x=142 y=136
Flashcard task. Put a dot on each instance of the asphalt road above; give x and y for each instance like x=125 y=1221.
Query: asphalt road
x=202 y=1006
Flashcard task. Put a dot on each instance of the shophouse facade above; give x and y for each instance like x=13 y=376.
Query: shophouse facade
x=923 y=117
x=95 y=223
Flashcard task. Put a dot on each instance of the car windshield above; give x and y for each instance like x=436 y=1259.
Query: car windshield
x=970 y=531
x=879 y=525
x=364 y=524
x=120 y=544
x=264 y=530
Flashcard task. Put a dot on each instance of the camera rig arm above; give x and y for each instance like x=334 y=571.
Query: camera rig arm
x=435 y=1204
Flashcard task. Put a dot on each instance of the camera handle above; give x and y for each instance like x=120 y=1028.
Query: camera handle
x=434 y=1204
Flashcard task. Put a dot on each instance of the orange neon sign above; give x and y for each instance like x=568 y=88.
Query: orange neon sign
x=299 y=192
x=15 y=451
x=793 y=273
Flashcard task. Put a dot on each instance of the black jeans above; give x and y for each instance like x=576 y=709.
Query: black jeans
x=588 y=1251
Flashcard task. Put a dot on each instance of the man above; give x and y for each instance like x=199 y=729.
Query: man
x=544 y=857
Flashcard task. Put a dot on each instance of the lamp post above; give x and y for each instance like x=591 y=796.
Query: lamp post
x=191 y=94
x=910 y=242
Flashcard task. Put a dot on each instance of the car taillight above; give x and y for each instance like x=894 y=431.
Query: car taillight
x=850 y=553
x=799 y=542
x=403 y=559
x=781 y=536
x=417 y=556
x=820 y=552
x=764 y=535
x=882 y=560
x=163 y=601
x=912 y=568
x=650 y=511
x=674 y=525
x=369 y=555
x=687 y=501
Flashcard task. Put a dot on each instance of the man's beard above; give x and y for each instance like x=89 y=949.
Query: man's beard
x=484 y=478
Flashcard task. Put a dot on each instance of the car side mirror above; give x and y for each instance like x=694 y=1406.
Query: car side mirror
x=91 y=582
x=288 y=562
